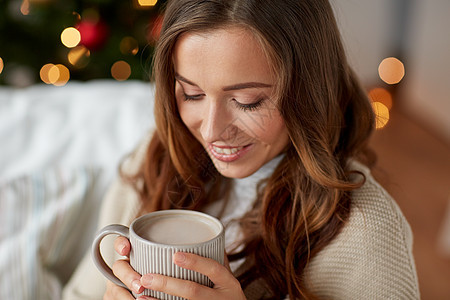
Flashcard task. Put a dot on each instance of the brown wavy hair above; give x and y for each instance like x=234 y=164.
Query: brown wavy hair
x=328 y=116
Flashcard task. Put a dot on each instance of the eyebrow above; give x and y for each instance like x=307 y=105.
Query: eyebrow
x=238 y=86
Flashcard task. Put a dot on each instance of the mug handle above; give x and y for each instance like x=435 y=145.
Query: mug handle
x=97 y=256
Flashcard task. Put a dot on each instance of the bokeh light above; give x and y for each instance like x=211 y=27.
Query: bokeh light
x=79 y=56
x=1 y=65
x=129 y=45
x=53 y=74
x=44 y=73
x=120 y=70
x=381 y=114
x=57 y=75
x=154 y=29
x=147 y=2
x=76 y=16
x=382 y=95
x=70 y=37
x=391 y=70
x=25 y=7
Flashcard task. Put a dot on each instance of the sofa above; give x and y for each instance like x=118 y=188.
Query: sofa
x=60 y=148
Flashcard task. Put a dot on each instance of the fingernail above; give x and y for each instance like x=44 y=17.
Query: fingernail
x=136 y=285
x=122 y=248
x=146 y=280
x=179 y=257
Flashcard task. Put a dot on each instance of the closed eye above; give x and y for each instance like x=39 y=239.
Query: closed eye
x=249 y=107
x=192 y=97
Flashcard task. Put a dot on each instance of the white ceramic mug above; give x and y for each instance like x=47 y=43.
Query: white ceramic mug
x=157 y=236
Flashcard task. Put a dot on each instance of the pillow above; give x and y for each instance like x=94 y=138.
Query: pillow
x=41 y=220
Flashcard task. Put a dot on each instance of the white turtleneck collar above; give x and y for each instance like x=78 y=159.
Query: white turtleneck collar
x=262 y=173
x=241 y=199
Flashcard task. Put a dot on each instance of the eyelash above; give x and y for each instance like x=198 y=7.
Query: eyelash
x=244 y=107
x=249 y=107
x=191 y=97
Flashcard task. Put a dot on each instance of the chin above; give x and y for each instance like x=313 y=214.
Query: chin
x=232 y=171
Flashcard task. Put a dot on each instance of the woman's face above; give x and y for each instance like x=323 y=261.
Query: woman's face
x=225 y=96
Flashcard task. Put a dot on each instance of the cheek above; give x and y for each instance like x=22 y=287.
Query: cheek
x=267 y=130
x=188 y=115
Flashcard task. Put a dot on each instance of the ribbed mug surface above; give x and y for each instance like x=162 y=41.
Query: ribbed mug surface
x=155 y=258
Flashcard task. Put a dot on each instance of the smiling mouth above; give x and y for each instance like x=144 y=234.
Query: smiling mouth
x=228 y=154
x=227 y=150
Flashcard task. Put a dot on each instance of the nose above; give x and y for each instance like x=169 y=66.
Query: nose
x=217 y=125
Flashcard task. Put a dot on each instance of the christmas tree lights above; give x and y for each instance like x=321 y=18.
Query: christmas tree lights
x=86 y=37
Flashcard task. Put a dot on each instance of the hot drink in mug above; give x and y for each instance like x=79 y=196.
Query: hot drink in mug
x=157 y=236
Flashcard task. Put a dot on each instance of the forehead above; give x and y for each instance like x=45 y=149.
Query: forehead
x=234 y=51
x=233 y=35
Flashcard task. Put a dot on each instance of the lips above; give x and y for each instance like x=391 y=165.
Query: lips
x=228 y=154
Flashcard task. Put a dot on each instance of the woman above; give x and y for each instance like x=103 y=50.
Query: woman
x=261 y=122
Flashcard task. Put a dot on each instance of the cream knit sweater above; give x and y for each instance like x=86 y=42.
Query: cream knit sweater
x=370 y=259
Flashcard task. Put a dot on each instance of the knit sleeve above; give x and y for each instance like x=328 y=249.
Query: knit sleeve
x=372 y=256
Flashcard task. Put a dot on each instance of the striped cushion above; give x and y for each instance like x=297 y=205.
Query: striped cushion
x=37 y=214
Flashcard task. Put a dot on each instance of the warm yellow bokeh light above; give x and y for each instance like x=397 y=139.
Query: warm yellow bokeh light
x=391 y=70
x=53 y=74
x=381 y=114
x=129 y=45
x=77 y=17
x=70 y=37
x=44 y=73
x=120 y=70
x=381 y=95
x=147 y=2
x=57 y=75
x=25 y=7
x=79 y=56
x=1 y=65
x=64 y=75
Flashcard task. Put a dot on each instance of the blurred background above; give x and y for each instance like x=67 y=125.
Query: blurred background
x=399 y=48
x=84 y=39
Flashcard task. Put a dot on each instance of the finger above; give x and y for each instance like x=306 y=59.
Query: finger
x=122 y=246
x=176 y=287
x=218 y=273
x=114 y=291
x=146 y=298
x=128 y=276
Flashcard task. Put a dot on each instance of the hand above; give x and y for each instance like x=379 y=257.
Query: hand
x=226 y=286
x=125 y=273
